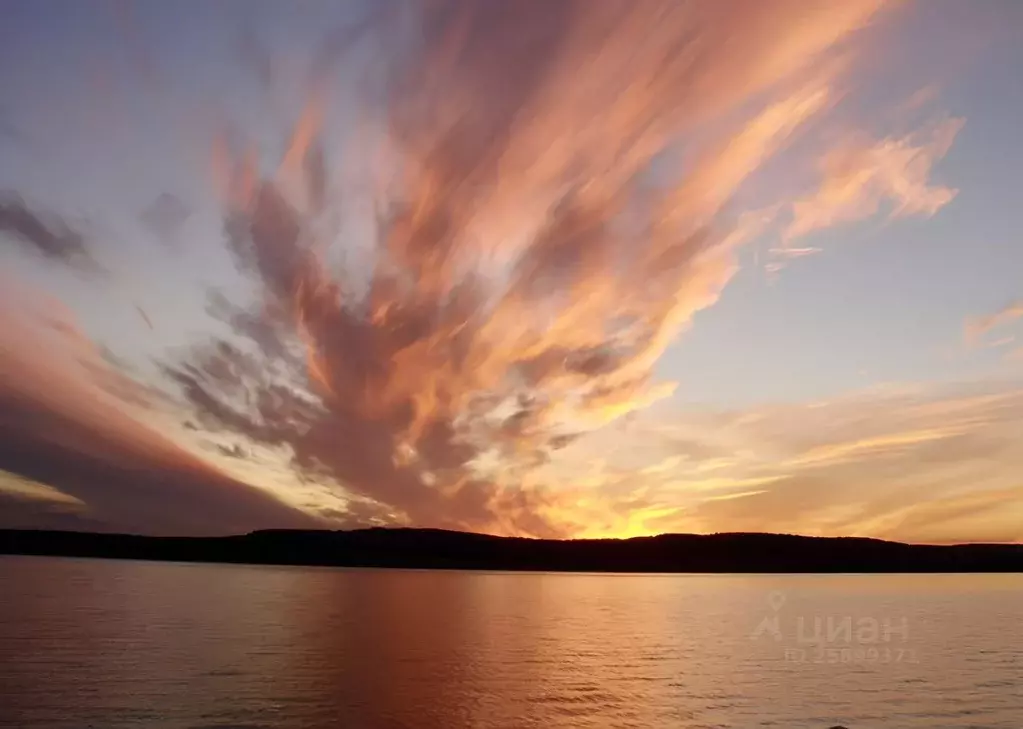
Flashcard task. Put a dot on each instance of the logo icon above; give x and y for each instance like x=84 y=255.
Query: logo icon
x=771 y=624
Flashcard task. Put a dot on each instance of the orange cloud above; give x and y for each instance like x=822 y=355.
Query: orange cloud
x=875 y=445
x=535 y=244
x=975 y=329
x=916 y=465
x=861 y=176
x=529 y=268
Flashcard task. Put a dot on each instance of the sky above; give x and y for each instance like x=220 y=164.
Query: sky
x=553 y=269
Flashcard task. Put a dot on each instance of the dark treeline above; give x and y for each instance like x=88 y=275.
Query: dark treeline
x=438 y=549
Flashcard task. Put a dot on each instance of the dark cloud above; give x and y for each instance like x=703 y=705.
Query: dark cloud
x=66 y=421
x=248 y=389
x=47 y=235
x=165 y=217
x=128 y=485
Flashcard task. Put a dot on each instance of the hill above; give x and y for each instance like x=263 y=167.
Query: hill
x=439 y=549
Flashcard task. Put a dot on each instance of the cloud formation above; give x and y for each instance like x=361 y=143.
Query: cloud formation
x=48 y=236
x=529 y=261
x=70 y=419
x=459 y=303
x=165 y=217
x=934 y=464
x=977 y=328
x=859 y=177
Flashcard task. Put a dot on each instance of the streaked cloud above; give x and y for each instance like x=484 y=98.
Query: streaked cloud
x=931 y=464
x=531 y=268
x=866 y=447
x=70 y=420
x=470 y=338
x=977 y=328
x=47 y=235
x=862 y=177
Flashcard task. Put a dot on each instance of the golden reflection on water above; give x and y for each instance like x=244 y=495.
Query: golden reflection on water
x=174 y=645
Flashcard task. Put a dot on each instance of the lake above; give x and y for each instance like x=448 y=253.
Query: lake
x=93 y=643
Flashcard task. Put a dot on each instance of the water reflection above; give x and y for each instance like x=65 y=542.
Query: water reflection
x=116 y=644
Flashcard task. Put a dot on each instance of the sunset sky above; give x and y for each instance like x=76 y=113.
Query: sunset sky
x=547 y=268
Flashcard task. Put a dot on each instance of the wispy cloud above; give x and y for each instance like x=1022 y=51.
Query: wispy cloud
x=49 y=236
x=931 y=464
x=977 y=328
x=69 y=419
x=862 y=176
x=528 y=272
x=534 y=248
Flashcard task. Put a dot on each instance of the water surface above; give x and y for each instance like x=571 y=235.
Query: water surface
x=134 y=644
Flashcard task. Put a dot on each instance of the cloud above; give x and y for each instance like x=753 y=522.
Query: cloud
x=553 y=191
x=861 y=176
x=68 y=419
x=869 y=446
x=27 y=505
x=165 y=217
x=934 y=464
x=52 y=238
x=975 y=329
x=232 y=451
x=527 y=268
